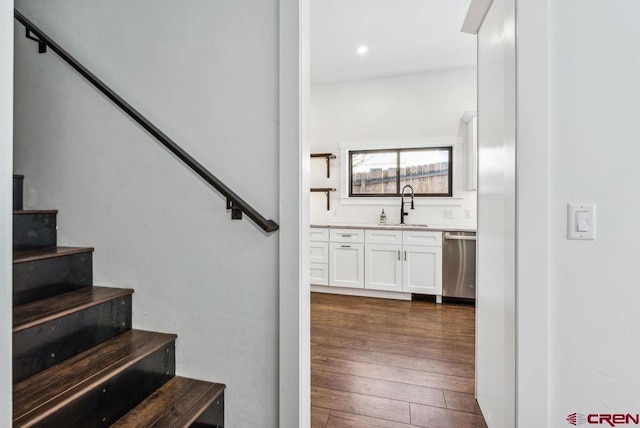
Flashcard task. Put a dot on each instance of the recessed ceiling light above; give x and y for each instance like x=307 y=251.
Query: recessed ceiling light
x=362 y=50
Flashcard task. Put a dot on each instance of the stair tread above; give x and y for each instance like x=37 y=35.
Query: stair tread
x=46 y=253
x=22 y=212
x=18 y=176
x=42 y=311
x=45 y=392
x=178 y=403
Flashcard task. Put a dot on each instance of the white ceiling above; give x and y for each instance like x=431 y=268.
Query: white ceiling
x=403 y=36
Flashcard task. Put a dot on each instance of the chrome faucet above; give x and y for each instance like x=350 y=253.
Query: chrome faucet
x=402 y=202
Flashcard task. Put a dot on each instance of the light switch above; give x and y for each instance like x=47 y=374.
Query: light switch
x=581 y=222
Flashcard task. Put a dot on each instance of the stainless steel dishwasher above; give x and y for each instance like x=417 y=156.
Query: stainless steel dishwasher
x=459 y=264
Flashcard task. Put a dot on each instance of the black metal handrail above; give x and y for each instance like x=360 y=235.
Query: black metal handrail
x=235 y=203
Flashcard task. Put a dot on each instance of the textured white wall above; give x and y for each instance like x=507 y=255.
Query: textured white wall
x=206 y=73
x=425 y=106
x=496 y=339
x=594 y=293
x=6 y=155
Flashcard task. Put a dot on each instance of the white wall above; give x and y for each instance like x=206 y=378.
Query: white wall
x=425 y=107
x=207 y=75
x=594 y=293
x=6 y=155
x=496 y=340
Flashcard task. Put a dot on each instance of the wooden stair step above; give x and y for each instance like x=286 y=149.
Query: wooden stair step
x=26 y=212
x=45 y=310
x=54 y=329
x=52 y=390
x=39 y=273
x=178 y=403
x=47 y=253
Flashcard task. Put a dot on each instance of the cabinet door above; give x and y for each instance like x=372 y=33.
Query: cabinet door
x=347 y=265
x=383 y=267
x=422 y=269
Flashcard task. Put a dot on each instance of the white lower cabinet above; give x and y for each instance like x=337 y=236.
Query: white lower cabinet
x=319 y=256
x=406 y=268
x=347 y=264
x=383 y=267
x=422 y=269
x=378 y=259
x=319 y=273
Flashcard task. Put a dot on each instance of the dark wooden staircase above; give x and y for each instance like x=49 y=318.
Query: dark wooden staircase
x=77 y=362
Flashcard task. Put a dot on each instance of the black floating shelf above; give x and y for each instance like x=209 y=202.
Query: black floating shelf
x=327 y=157
x=326 y=190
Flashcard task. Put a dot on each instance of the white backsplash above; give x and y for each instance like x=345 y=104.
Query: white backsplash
x=370 y=214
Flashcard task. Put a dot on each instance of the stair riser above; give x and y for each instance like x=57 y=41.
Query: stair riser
x=48 y=277
x=108 y=402
x=17 y=193
x=36 y=230
x=40 y=347
x=213 y=416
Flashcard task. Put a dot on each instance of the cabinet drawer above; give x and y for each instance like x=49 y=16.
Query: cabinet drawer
x=374 y=236
x=319 y=252
x=319 y=273
x=431 y=239
x=319 y=234
x=347 y=235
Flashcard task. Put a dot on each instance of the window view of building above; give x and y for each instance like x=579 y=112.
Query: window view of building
x=375 y=172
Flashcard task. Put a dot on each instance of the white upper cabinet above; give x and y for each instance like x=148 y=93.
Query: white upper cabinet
x=471 y=140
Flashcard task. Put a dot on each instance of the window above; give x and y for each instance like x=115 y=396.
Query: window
x=385 y=172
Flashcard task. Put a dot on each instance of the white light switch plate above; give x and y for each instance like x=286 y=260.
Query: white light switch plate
x=581 y=221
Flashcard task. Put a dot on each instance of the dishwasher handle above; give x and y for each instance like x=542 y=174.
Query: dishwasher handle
x=459 y=237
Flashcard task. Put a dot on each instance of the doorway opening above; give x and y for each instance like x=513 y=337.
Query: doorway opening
x=389 y=79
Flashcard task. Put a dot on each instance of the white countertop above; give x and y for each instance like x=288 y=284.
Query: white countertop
x=390 y=226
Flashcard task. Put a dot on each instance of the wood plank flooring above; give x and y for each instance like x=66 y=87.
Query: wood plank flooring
x=392 y=364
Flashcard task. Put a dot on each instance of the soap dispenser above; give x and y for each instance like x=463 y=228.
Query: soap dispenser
x=383 y=217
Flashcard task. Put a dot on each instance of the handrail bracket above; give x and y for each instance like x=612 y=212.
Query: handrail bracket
x=42 y=45
x=236 y=212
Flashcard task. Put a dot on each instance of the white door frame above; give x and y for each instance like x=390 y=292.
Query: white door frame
x=532 y=206
x=532 y=214
x=6 y=192
x=295 y=358
x=532 y=193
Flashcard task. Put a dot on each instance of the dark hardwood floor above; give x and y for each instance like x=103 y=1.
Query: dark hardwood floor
x=391 y=364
